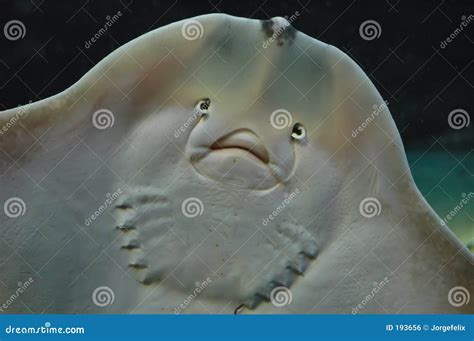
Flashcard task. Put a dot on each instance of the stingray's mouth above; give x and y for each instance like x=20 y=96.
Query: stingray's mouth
x=239 y=141
x=239 y=159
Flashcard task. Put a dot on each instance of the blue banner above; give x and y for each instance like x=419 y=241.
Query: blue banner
x=228 y=327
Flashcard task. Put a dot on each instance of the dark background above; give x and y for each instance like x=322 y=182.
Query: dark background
x=421 y=81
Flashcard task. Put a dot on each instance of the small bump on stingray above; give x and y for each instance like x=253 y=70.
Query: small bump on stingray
x=132 y=245
x=278 y=32
x=138 y=266
x=125 y=228
x=124 y=207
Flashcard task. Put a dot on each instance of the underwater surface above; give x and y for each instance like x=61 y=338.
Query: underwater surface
x=445 y=178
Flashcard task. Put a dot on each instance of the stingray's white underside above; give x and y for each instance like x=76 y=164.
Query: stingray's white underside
x=271 y=210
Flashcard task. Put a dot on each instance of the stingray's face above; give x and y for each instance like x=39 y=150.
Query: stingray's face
x=244 y=140
x=250 y=155
x=258 y=111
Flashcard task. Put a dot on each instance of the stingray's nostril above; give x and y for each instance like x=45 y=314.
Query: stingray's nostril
x=298 y=132
x=203 y=106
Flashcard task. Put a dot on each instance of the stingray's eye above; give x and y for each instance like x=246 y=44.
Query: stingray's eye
x=203 y=106
x=298 y=132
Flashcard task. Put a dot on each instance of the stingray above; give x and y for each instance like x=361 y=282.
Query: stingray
x=219 y=165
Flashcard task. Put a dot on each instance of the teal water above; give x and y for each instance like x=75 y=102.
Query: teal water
x=445 y=177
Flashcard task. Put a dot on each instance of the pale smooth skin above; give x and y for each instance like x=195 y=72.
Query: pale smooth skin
x=319 y=245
